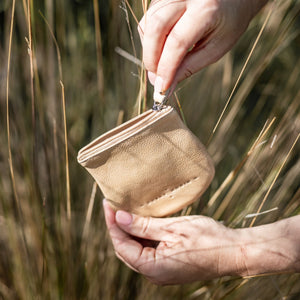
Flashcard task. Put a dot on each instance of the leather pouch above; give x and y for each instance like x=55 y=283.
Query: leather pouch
x=151 y=165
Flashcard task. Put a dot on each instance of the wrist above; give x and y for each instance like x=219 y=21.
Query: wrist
x=271 y=248
x=229 y=254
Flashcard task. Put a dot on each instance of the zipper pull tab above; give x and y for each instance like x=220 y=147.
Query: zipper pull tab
x=159 y=100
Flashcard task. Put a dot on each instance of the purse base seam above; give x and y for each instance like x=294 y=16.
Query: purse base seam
x=169 y=193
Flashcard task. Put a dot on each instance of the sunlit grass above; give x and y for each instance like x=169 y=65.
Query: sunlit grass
x=54 y=243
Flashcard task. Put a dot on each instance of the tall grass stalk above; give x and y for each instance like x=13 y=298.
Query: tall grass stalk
x=99 y=48
x=10 y=160
x=66 y=152
x=243 y=70
x=274 y=180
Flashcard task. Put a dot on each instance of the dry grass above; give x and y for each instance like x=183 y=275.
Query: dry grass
x=53 y=242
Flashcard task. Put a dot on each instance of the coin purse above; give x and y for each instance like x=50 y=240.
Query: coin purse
x=152 y=165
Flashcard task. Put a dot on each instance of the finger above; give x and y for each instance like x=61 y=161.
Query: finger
x=125 y=247
x=131 y=252
x=117 y=235
x=209 y=53
x=182 y=37
x=157 y=229
x=151 y=77
x=157 y=23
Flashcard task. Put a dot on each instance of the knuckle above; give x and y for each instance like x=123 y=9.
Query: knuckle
x=187 y=70
x=155 y=23
x=188 y=73
x=145 y=225
x=178 y=41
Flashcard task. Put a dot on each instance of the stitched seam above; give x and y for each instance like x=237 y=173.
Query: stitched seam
x=170 y=192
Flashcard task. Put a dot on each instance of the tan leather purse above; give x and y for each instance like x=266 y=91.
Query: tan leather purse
x=151 y=165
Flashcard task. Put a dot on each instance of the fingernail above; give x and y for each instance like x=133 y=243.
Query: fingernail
x=158 y=85
x=123 y=217
x=151 y=77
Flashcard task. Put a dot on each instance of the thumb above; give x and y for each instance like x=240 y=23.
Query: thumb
x=157 y=229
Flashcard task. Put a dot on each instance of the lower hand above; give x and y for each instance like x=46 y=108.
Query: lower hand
x=192 y=248
x=187 y=249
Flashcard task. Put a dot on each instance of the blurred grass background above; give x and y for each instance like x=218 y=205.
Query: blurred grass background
x=53 y=240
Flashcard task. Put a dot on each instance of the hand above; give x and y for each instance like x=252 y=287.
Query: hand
x=181 y=37
x=186 y=249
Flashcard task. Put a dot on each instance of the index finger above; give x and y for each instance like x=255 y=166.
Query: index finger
x=156 y=25
x=183 y=36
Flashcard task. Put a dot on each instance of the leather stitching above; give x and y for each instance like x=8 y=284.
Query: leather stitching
x=170 y=192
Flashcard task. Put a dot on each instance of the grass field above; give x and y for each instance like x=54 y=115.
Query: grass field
x=62 y=83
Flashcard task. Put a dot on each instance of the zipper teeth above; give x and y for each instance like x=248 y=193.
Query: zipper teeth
x=158 y=106
x=95 y=150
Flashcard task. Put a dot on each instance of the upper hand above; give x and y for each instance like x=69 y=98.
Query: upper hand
x=183 y=36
